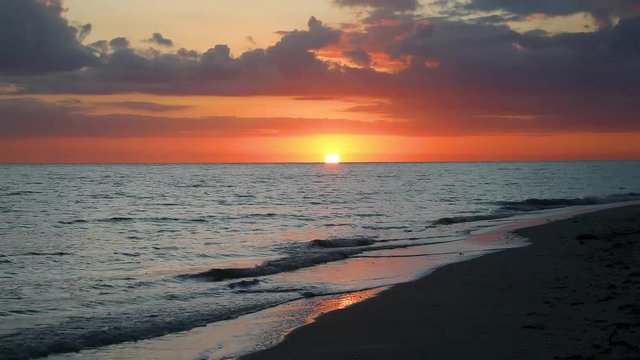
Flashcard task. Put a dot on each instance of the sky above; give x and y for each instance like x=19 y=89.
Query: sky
x=137 y=81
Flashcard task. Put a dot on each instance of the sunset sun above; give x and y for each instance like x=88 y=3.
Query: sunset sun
x=332 y=158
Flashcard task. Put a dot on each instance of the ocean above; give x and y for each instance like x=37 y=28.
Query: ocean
x=228 y=258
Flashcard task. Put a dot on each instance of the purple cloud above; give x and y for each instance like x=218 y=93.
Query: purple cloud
x=36 y=38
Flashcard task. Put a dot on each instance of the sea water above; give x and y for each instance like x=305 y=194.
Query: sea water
x=93 y=256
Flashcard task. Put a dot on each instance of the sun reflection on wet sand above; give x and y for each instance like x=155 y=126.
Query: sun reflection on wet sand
x=325 y=305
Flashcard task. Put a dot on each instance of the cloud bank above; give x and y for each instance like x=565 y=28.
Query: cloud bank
x=437 y=75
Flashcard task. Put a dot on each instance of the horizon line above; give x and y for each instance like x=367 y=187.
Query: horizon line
x=314 y=162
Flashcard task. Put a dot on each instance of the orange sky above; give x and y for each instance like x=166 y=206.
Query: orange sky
x=314 y=148
x=282 y=81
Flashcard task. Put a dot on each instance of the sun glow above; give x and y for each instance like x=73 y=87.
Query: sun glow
x=332 y=159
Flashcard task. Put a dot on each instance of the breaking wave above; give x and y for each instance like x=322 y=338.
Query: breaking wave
x=544 y=204
x=272 y=267
x=343 y=242
x=332 y=250
x=470 y=218
x=508 y=209
x=78 y=334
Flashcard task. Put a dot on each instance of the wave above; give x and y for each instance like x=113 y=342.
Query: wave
x=96 y=331
x=343 y=242
x=114 y=219
x=119 y=219
x=19 y=193
x=136 y=254
x=244 y=284
x=461 y=253
x=508 y=209
x=92 y=332
x=170 y=248
x=24 y=312
x=35 y=253
x=327 y=253
x=202 y=219
x=338 y=225
x=386 y=227
x=543 y=204
x=336 y=249
x=168 y=204
x=470 y=218
x=71 y=222
x=273 y=267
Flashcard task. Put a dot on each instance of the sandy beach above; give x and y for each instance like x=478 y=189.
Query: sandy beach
x=572 y=294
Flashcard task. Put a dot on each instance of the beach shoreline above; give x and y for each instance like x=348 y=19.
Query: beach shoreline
x=569 y=295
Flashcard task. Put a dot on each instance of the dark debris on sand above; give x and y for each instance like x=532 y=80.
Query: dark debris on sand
x=612 y=302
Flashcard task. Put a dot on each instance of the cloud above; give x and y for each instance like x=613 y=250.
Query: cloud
x=143 y=105
x=499 y=111
x=31 y=118
x=473 y=114
x=490 y=56
x=452 y=76
x=158 y=39
x=442 y=58
x=119 y=43
x=84 y=31
x=358 y=56
x=123 y=68
x=437 y=53
x=392 y=5
x=604 y=11
x=36 y=38
x=292 y=53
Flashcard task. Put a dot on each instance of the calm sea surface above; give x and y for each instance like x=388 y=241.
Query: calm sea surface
x=93 y=255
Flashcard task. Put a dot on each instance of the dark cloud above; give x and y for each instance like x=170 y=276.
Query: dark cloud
x=380 y=32
x=358 y=56
x=392 y=5
x=292 y=53
x=158 y=39
x=490 y=56
x=315 y=98
x=124 y=68
x=523 y=72
x=119 y=43
x=143 y=105
x=30 y=118
x=188 y=54
x=100 y=47
x=84 y=31
x=490 y=111
x=35 y=38
x=604 y=11
x=441 y=53
x=435 y=114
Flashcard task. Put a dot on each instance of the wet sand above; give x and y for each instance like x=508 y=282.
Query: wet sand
x=573 y=294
